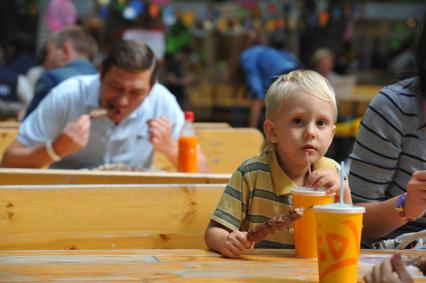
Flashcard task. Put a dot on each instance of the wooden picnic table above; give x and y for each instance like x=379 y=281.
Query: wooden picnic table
x=174 y=265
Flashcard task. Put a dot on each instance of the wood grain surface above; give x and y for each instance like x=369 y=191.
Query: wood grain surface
x=182 y=265
x=105 y=216
x=15 y=176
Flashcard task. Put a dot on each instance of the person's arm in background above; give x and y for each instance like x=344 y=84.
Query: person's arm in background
x=164 y=130
x=73 y=138
x=374 y=164
x=161 y=137
x=49 y=123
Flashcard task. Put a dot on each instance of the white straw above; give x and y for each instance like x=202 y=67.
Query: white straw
x=309 y=163
x=342 y=168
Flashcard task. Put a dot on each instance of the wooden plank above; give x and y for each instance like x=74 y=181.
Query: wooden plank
x=211 y=125
x=178 y=265
x=10 y=124
x=225 y=149
x=105 y=216
x=7 y=136
x=17 y=176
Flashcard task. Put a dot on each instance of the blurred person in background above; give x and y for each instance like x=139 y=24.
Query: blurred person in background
x=140 y=116
x=69 y=52
x=15 y=91
x=177 y=79
x=260 y=65
x=323 y=63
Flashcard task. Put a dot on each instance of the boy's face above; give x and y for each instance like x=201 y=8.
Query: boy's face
x=304 y=125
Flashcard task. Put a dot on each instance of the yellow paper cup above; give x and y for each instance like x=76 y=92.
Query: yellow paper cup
x=304 y=229
x=338 y=230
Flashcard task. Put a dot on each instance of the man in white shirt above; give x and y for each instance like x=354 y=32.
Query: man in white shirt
x=142 y=116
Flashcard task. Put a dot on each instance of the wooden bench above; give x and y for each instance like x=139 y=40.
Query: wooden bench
x=105 y=216
x=18 y=176
x=9 y=124
x=7 y=136
x=225 y=149
x=211 y=125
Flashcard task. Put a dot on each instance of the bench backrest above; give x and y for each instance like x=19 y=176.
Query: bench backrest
x=225 y=149
x=7 y=136
x=105 y=216
x=17 y=176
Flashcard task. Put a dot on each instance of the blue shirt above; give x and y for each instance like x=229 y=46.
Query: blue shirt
x=52 y=78
x=127 y=142
x=8 y=84
x=261 y=64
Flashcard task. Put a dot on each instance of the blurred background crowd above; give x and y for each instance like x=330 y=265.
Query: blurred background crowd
x=359 y=45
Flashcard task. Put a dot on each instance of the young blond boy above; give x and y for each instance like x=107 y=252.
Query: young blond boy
x=300 y=121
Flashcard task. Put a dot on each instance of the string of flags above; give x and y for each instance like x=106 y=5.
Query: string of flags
x=235 y=16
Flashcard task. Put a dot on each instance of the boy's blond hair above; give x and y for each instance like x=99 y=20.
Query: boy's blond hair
x=290 y=84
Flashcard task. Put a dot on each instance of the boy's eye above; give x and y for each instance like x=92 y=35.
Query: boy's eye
x=297 y=121
x=321 y=123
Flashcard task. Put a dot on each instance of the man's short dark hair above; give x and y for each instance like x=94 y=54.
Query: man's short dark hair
x=133 y=56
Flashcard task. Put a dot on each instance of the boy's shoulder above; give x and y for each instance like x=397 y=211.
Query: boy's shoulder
x=255 y=163
x=327 y=163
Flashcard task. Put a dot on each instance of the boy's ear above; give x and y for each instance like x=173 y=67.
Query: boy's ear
x=269 y=130
x=334 y=130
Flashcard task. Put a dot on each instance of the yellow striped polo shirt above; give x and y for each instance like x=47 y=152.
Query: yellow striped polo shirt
x=257 y=191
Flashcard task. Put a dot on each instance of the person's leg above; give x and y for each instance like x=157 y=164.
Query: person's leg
x=255 y=110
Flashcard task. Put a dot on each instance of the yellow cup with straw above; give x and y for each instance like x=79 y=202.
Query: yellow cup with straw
x=338 y=234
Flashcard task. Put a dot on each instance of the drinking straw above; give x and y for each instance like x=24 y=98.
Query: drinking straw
x=309 y=163
x=342 y=168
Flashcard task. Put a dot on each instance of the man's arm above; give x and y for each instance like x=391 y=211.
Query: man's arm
x=160 y=135
x=74 y=137
x=21 y=156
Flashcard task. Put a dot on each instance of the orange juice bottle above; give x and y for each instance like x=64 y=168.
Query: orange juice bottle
x=187 y=156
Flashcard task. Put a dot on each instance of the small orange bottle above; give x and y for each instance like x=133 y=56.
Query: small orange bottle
x=187 y=156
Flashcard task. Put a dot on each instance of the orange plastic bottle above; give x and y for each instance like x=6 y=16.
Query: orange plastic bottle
x=187 y=156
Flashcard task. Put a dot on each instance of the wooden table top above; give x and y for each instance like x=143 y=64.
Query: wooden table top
x=180 y=265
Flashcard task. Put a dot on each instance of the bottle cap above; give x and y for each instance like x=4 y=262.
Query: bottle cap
x=189 y=116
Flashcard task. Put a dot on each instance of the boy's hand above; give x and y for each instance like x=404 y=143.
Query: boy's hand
x=324 y=178
x=235 y=244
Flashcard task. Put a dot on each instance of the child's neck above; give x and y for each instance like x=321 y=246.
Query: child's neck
x=296 y=172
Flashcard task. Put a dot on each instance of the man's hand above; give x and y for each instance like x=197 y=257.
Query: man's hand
x=74 y=137
x=415 y=205
x=160 y=135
